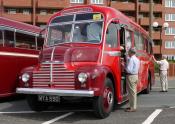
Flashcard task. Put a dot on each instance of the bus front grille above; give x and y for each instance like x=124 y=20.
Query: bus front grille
x=53 y=75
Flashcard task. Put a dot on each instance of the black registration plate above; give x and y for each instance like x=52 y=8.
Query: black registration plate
x=46 y=98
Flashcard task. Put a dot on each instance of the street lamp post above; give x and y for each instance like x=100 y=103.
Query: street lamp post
x=164 y=27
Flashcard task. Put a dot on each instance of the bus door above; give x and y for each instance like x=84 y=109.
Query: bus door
x=125 y=40
x=112 y=56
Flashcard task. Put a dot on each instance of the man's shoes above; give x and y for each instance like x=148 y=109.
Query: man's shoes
x=130 y=110
x=163 y=91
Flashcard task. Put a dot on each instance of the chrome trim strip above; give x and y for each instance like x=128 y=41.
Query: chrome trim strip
x=18 y=54
x=43 y=77
x=54 y=62
x=55 y=83
x=40 y=74
x=113 y=53
x=45 y=91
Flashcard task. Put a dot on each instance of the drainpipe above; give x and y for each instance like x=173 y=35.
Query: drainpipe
x=150 y=17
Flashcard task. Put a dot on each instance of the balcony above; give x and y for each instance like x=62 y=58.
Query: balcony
x=159 y=20
x=43 y=18
x=156 y=35
x=144 y=7
x=123 y=6
x=18 y=17
x=156 y=49
x=132 y=18
x=53 y=4
x=17 y=3
x=144 y=21
x=157 y=8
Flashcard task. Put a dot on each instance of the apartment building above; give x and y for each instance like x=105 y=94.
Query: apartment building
x=37 y=12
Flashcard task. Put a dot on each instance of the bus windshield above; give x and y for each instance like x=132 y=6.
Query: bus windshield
x=85 y=28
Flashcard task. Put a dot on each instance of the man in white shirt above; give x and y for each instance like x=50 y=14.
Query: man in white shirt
x=94 y=32
x=163 y=69
x=132 y=70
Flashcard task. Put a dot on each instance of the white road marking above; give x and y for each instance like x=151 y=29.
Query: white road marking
x=28 y=112
x=58 y=118
x=151 y=118
x=172 y=107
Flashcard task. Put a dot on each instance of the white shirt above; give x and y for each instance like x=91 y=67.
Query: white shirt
x=133 y=65
x=164 y=65
x=93 y=32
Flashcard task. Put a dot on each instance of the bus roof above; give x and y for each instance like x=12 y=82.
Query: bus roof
x=8 y=24
x=107 y=11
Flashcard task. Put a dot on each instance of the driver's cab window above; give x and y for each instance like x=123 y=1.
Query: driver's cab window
x=111 y=36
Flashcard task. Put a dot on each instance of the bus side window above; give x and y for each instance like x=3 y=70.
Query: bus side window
x=24 y=41
x=147 y=46
x=150 y=47
x=40 y=43
x=1 y=39
x=9 y=38
x=111 y=36
x=138 y=41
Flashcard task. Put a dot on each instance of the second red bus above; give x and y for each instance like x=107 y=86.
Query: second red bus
x=19 y=47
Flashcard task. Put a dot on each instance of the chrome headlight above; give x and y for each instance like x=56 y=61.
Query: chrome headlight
x=82 y=77
x=25 y=77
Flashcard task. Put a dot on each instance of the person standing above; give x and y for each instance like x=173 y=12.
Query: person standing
x=163 y=72
x=132 y=70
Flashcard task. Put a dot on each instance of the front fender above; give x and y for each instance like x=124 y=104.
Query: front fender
x=96 y=79
x=100 y=79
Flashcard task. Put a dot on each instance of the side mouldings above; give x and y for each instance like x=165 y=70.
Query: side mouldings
x=113 y=53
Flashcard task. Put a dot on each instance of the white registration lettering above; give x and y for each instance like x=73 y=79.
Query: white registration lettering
x=44 y=98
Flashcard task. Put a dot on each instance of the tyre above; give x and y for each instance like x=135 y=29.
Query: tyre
x=36 y=105
x=103 y=104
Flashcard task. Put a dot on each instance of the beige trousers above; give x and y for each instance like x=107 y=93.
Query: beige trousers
x=132 y=90
x=164 y=80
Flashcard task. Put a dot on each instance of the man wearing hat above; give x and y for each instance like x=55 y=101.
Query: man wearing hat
x=163 y=69
x=132 y=70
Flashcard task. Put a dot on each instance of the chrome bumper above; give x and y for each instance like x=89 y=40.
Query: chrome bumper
x=42 y=91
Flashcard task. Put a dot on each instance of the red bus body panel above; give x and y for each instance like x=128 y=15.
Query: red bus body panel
x=13 y=59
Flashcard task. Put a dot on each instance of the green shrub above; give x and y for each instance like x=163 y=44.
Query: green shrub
x=171 y=61
x=156 y=68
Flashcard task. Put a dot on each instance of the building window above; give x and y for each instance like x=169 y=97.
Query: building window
x=170 y=44
x=76 y=1
x=11 y=11
x=97 y=1
x=170 y=3
x=170 y=31
x=167 y=44
x=43 y=12
x=169 y=17
x=26 y=11
x=170 y=57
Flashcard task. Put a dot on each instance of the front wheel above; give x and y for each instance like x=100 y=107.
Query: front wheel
x=104 y=103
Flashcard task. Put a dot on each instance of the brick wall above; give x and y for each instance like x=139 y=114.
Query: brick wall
x=171 y=71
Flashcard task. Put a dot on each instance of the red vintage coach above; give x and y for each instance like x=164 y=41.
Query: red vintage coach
x=82 y=58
